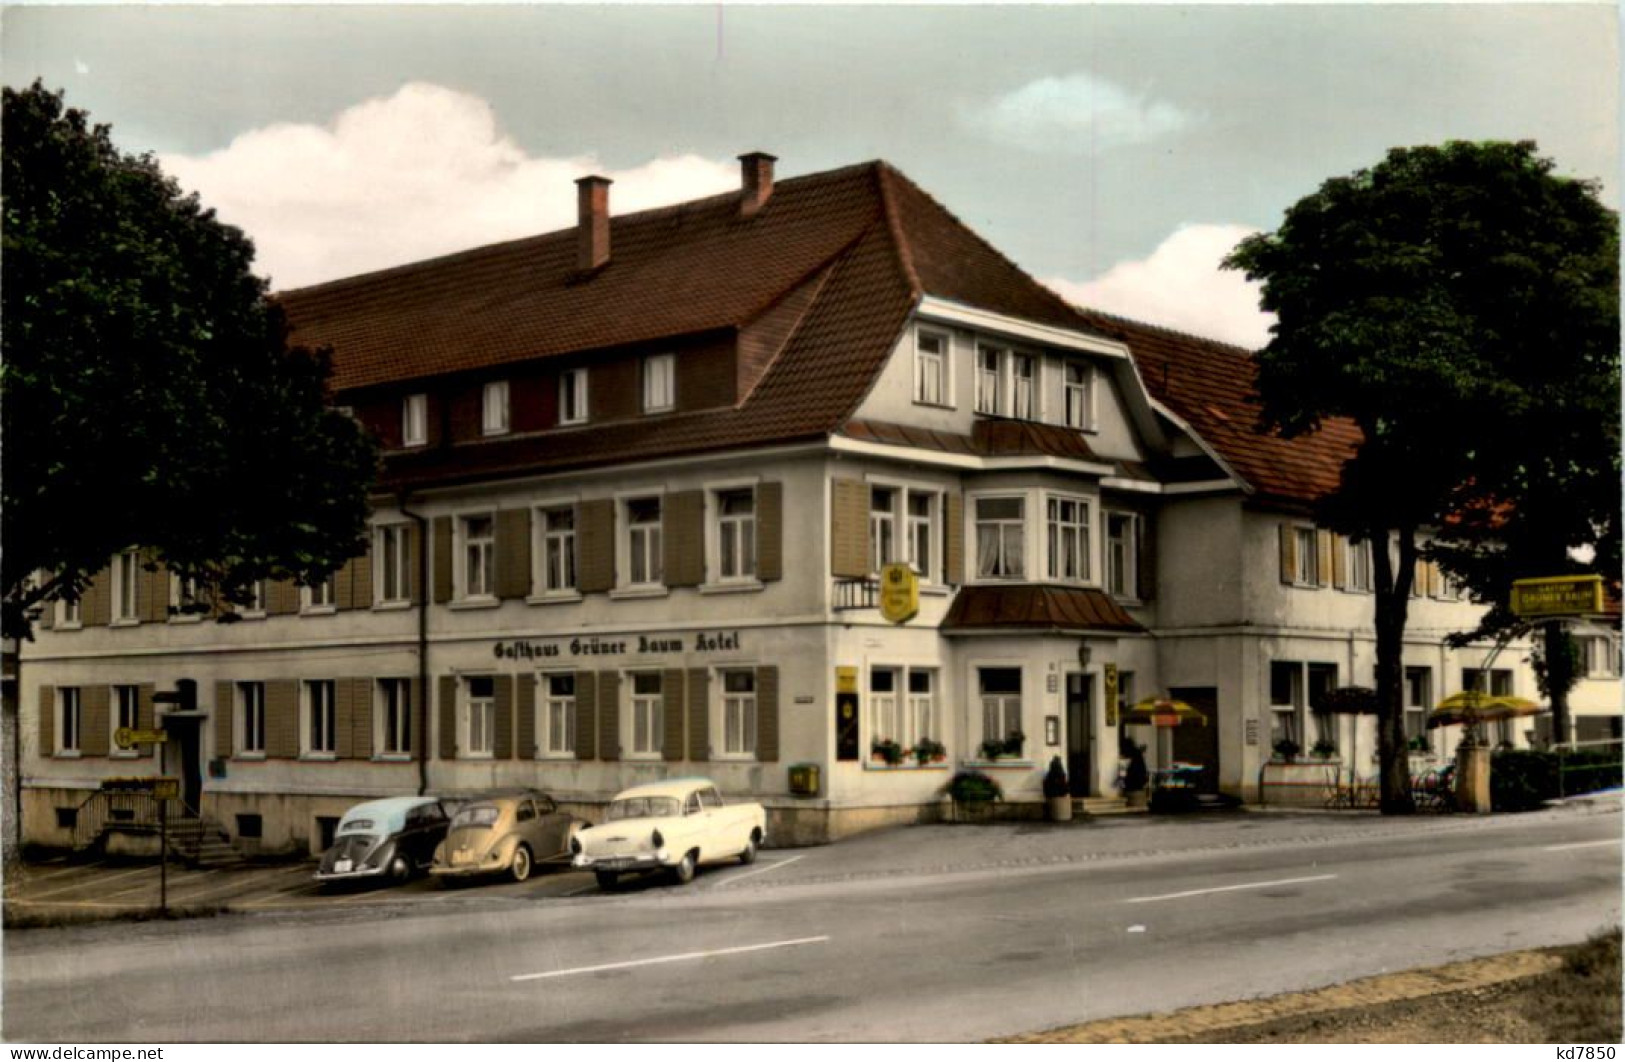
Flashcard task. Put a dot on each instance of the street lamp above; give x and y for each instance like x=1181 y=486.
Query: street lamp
x=1083 y=655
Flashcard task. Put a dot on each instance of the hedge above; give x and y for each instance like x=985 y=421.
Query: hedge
x=1521 y=779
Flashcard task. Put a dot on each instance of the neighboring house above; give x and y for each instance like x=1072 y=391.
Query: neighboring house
x=640 y=478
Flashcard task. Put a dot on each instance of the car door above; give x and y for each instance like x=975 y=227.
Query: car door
x=528 y=824
x=553 y=828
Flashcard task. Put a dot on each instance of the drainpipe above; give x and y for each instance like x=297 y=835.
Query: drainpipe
x=422 y=526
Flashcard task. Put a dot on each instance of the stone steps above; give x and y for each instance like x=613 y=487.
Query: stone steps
x=1103 y=806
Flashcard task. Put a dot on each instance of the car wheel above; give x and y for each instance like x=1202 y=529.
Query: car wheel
x=519 y=869
x=400 y=868
x=606 y=879
x=748 y=856
x=683 y=872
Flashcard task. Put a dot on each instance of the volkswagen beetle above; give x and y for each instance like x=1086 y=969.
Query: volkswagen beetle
x=504 y=833
x=384 y=839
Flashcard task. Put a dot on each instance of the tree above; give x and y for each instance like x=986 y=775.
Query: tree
x=1457 y=303
x=150 y=398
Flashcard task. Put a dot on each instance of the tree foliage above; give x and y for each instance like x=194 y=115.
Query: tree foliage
x=149 y=395
x=1460 y=304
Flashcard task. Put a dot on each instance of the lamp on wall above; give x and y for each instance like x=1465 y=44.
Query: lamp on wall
x=1083 y=655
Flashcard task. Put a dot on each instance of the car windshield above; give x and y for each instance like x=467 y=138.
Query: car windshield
x=475 y=815
x=642 y=808
x=357 y=826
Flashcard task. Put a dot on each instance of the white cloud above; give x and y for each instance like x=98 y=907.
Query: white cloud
x=1077 y=113
x=1180 y=286
x=423 y=172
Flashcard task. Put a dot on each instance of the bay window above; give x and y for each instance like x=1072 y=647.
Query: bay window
x=1068 y=539
x=1000 y=533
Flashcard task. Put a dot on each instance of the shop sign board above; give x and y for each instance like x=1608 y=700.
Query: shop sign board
x=161 y=787
x=1108 y=683
x=899 y=593
x=1562 y=595
x=127 y=737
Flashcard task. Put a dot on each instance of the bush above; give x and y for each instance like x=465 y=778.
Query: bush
x=1055 y=781
x=1521 y=779
x=973 y=787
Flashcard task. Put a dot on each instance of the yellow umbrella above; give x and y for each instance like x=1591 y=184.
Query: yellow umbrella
x=1162 y=712
x=1471 y=706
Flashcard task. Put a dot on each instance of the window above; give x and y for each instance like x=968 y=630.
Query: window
x=126 y=573
x=479 y=715
x=987 y=379
x=1307 y=572
x=250 y=827
x=322 y=596
x=921 y=531
x=393 y=556
x=126 y=714
x=884 y=706
x=1286 y=695
x=479 y=555
x=659 y=383
x=1068 y=539
x=1000 y=689
x=558 y=728
x=1024 y=386
x=1000 y=532
x=1359 y=565
x=931 y=368
x=643 y=541
x=415 y=420
x=1121 y=537
x=1079 y=387
x=494 y=408
x=739 y=712
x=183 y=598
x=1418 y=701
x=1322 y=680
x=1500 y=681
x=321 y=733
x=67 y=720
x=919 y=719
x=1601 y=656
x=70 y=613
x=736 y=534
x=647 y=720
x=395 y=717
x=255 y=605
x=882 y=527
x=573 y=396
x=558 y=529
x=251 y=718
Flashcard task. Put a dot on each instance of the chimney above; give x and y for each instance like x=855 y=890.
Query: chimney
x=756 y=177
x=592 y=226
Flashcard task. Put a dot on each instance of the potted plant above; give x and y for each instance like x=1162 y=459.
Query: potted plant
x=1134 y=772
x=1057 y=792
x=886 y=751
x=973 y=794
x=1286 y=750
x=1324 y=749
x=1419 y=743
x=1013 y=743
x=929 y=750
x=992 y=749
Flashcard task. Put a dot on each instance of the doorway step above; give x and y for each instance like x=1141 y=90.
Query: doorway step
x=1103 y=806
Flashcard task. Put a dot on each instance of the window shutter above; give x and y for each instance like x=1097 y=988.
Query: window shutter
x=849 y=528
x=47 y=721
x=595 y=546
x=448 y=717
x=98 y=608
x=1340 y=562
x=502 y=741
x=47 y=617
x=361 y=718
x=682 y=531
x=699 y=723
x=442 y=559
x=525 y=718
x=225 y=717
x=343 y=719
x=344 y=586
x=144 y=714
x=93 y=726
x=954 y=532
x=609 y=715
x=769 y=531
x=414 y=562
x=1323 y=557
x=1435 y=580
x=1289 y=553
x=151 y=590
x=767 y=714
x=513 y=553
x=282 y=718
x=1145 y=561
x=361 y=586
x=672 y=712
x=586 y=715
x=281 y=598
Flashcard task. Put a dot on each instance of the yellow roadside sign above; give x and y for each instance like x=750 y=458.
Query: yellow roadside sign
x=1559 y=595
x=846 y=680
x=128 y=737
x=899 y=593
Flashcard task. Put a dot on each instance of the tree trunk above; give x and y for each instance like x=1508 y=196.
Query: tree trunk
x=1393 y=592
x=1559 y=678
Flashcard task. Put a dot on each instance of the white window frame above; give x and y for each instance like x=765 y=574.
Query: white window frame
x=1078 y=397
x=556 y=712
x=883 y=527
x=928 y=364
x=573 y=396
x=392 y=561
x=1417 y=707
x=392 y=697
x=1290 y=710
x=69 y=723
x=660 y=383
x=70 y=614
x=495 y=412
x=645 y=539
x=255 y=607
x=990 y=384
x=126 y=568
x=1025 y=391
x=1306 y=540
x=904 y=714
x=182 y=592
x=1358 y=574
x=124 y=710
x=646 y=708
x=1057 y=529
x=415 y=420
x=248 y=735
x=318 y=704
x=321 y=599
x=929 y=527
x=741 y=528
x=560 y=582
x=476 y=719
x=1000 y=705
x=1128 y=584
x=737 y=718
x=1601 y=655
x=1003 y=524
x=475 y=553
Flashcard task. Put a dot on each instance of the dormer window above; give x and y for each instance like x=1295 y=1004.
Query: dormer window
x=494 y=419
x=1024 y=386
x=1080 y=395
x=573 y=396
x=931 y=368
x=415 y=420
x=659 y=383
x=987 y=379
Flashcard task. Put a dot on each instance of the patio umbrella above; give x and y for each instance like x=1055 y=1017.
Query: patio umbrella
x=1162 y=712
x=1471 y=707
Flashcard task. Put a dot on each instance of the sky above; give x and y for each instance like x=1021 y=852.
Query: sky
x=1115 y=152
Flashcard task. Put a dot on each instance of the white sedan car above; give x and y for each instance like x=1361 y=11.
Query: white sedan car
x=673 y=825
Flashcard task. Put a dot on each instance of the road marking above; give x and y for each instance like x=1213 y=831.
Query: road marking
x=97 y=882
x=238 y=882
x=763 y=870
x=1229 y=888
x=688 y=956
x=32 y=879
x=1581 y=844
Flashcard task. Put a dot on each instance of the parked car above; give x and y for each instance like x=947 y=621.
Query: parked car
x=504 y=833
x=674 y=826
x=393 y=839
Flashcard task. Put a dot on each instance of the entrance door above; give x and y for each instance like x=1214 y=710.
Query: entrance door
x=182 y=756
x=1080 y=734
x=1200 y=744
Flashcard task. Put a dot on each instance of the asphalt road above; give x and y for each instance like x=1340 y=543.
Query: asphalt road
x=812 y=946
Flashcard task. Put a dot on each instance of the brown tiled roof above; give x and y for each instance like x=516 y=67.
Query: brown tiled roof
x=1034 y=607
x=1212 y=386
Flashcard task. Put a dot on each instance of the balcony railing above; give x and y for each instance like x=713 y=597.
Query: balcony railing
x=853 y=594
